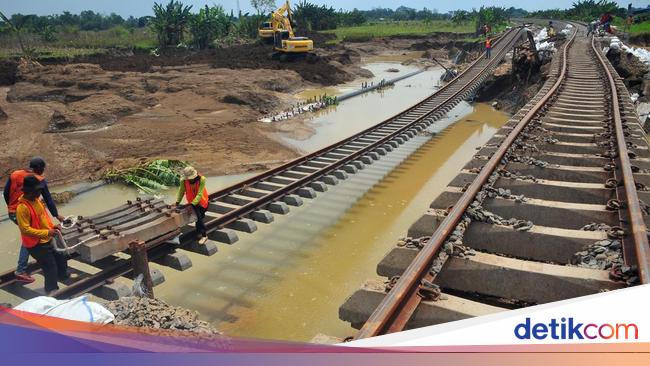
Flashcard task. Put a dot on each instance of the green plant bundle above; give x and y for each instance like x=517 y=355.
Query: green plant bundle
x=149 y=177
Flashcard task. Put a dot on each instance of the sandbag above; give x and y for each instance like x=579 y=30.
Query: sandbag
x=79 y=309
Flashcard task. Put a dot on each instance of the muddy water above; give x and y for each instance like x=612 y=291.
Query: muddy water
x=287 y=280
x=361 y=112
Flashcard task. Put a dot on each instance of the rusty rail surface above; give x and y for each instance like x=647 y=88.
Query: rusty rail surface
x=398 y=306
x=637 y=224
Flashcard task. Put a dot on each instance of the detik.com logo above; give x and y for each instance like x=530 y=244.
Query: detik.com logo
x=568 y=328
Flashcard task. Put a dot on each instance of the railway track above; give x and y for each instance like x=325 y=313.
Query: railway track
x=239 y=207
x=550 y=209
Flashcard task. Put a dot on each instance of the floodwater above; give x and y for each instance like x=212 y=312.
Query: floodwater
x=361 y=112
x=287 y=280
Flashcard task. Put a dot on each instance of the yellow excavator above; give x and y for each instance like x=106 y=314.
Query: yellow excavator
x=285 y=43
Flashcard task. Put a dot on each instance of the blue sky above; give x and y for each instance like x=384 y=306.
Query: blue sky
x=143 y=7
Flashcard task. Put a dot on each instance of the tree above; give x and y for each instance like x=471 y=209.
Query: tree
x=208 y=24
x=351 y=18
x=27 y=52
x=170 y=22
x=263 y=6
x=314 y=17
x=461 y=16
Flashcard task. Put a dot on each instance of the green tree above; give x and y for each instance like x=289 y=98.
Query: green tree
x=314 y=17
x=170 y=22
x=263 y=6
x=209 y=24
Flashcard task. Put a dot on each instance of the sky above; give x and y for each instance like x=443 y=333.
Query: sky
x=143 y=7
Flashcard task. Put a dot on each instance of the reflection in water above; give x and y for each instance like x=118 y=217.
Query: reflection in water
x=287 y=280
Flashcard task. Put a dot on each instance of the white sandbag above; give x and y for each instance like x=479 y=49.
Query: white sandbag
x=79 y=309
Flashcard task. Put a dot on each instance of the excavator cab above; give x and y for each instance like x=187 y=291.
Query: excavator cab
x=284 y=43
x=265 y=32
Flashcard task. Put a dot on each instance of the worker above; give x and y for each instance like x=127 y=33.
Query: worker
x=488 y=47
x=193 y=187
x=605 y=20
x=628 y=23
x=37 y=231
x=592 y=27
x=551 y=30
x=12 y=193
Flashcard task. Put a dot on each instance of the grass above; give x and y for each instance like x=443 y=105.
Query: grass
x=80 y=43
x=636 y=28
x=403 y=28
x=52 y=52
x=643 y=27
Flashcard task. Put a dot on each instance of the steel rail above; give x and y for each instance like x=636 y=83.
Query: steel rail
x=637 y=223
x=231 y=216
x=399 y=304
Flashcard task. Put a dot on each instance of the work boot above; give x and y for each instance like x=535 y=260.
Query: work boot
x=24 y=277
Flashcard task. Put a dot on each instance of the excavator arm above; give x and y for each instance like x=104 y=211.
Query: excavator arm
x=280 y=21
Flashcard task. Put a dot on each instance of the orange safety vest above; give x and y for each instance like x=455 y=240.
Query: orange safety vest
x=191 y=190
x=28 y=240
x=16 y=189
x=488 y=43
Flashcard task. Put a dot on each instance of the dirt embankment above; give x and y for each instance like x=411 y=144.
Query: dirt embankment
x=95 y=112
x=642 y=39
x=510 y=89
x=635 y=74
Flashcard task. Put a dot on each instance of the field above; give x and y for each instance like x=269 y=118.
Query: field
x=640 y=28
x=392 y=28
x=80 y=43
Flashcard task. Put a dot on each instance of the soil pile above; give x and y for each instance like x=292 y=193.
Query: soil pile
x=642 y=39
x=82 y=115
x=8 y=71
x=511 y=89
x=635 y=74
x=156 y=314
x=245 y=56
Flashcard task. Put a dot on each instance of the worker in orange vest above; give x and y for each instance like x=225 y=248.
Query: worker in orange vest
x=193 y=188
x=12 y=192
x=36 y=233
x=488 y=47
